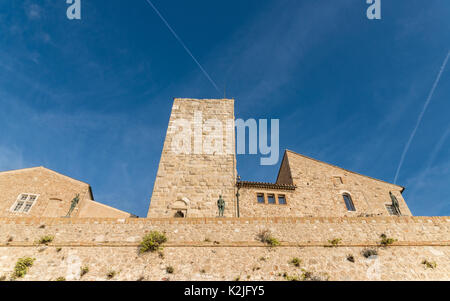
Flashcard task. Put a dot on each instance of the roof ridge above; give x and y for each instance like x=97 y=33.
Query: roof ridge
x=354 y=172
x=44 y=168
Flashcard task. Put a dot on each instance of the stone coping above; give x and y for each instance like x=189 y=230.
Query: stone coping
x=241 y=221
x=227 y=244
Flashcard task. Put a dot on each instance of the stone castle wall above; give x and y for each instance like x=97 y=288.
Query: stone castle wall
x=54 y=190
x=319 y=189
x=249 y=206
x=224 y=249
x=194 y=172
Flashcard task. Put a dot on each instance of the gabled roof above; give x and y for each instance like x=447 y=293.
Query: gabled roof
x=346 y=170
x=47 y=170
x=281 y=166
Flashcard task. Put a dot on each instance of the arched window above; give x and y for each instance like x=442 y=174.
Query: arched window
x=348 y=202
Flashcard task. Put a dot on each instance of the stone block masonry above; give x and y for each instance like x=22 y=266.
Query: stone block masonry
x=190 y=183
x=225 y=249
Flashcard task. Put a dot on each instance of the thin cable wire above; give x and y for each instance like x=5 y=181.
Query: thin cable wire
x=184 y=46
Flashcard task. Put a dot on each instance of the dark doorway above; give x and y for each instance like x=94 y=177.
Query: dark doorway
x=179 y=214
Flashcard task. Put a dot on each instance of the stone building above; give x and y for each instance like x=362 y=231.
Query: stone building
x=190 y=176
x=331 y=220
x=41 y=192
x=193 y=173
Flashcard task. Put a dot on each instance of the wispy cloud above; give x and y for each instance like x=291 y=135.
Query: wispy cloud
x=11 y=158
x=419 y=120
x=418 y=181
x=33 y=11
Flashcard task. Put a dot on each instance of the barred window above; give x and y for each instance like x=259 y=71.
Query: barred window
x=24 y=202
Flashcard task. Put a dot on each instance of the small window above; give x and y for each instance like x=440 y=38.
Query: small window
x=24 y=203
x=271 y=199
x=260 y=198
x=281 y=199
x=391 y=209
x=349 y=202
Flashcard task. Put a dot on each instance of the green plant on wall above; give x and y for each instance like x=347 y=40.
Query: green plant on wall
x=290 y=277
x=22 y=266
x=295 y=261
x=265 y=236
x=152 y=242
x=385 y=241
x=310 y=276
x=84 y=270
x=429 y=264
x=334 y=242
x=44 y=240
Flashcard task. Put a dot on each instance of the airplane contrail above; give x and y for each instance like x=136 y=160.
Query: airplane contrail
x=431 y=159
x=427 y=102
x=184 y=45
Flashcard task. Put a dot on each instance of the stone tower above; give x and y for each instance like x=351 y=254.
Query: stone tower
x=198 y=161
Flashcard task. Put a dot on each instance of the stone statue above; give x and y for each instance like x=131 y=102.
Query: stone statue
x=74 y=204
x=395 y=203
x=221 y=205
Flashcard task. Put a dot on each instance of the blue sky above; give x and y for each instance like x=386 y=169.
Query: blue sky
x=91 y=98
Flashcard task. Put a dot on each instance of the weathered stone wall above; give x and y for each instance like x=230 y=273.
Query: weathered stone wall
x=55 y=192
x=249 y=206
x=223 y=249
x=320 y=187
x=191 y=176
x=228 y=263
x=92 y=209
